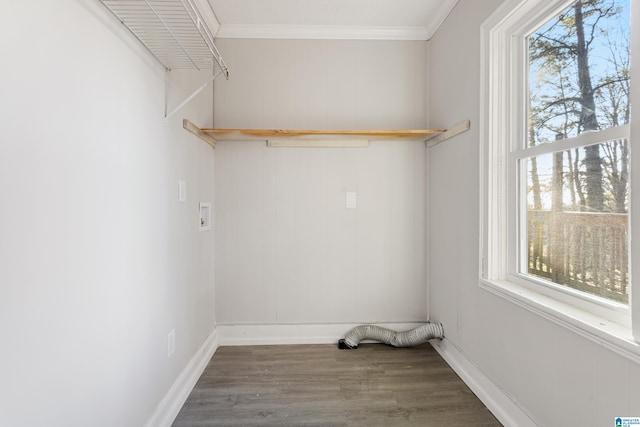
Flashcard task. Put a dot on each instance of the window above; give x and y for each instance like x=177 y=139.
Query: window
x=575 y=225
x=557 y=188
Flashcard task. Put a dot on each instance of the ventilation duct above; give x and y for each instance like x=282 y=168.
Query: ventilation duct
x=415 y=336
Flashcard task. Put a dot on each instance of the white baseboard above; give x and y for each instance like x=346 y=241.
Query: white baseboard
x=498 y=402
x=272 y=334
x=170 y=405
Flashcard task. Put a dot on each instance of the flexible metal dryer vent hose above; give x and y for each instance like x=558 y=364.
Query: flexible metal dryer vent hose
x=415 y=336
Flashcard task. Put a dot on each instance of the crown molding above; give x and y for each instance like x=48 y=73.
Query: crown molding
x=330 y=32
x=445 y=9
x=208 y=15
x=344 y=32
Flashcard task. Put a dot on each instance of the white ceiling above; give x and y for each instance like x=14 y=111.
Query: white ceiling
x=331 y=19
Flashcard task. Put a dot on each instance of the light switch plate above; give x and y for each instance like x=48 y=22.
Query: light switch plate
x=171 y=343
x=351 y=200
x=182 y=191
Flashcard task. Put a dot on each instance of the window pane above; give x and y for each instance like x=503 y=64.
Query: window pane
x=579 y=71
x=577 y=236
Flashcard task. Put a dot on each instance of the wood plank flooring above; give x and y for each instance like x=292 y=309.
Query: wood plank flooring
x=319 y=385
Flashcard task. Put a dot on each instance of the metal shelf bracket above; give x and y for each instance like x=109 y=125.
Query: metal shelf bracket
x=175 y=33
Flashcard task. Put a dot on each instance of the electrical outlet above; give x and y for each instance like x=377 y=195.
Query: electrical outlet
x=171 y=343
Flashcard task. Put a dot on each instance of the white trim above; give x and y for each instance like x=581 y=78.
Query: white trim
x=325 y=32
x=232 y=334
x=500 y=72
x=440 y=16
x=635 y=160
x=608 y=334
x=170 y=405
x=599 y=306
x=208 y=16
x=582 y=140
x=495 y=399
x=340 y=32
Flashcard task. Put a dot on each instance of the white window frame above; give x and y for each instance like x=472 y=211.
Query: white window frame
x=503 y=97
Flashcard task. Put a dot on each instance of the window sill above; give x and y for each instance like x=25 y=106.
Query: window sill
x=606 y=333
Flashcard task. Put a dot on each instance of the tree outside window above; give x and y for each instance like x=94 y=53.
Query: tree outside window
x=577 y=185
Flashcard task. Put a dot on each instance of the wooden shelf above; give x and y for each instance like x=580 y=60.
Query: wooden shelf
x=321 y=138
x=311 y=134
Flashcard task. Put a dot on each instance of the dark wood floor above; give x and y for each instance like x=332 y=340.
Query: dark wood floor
x=319 y=385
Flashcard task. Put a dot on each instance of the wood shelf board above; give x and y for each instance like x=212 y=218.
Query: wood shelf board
x=323 y=138
x=314 y=134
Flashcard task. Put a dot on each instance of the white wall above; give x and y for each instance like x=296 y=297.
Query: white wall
x=558 y=377
x=287 y=250
x=98 y=260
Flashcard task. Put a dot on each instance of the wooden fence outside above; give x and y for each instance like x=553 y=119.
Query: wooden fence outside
x=585 y=251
